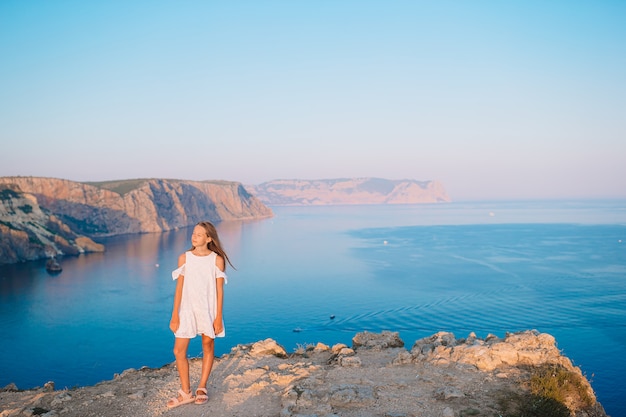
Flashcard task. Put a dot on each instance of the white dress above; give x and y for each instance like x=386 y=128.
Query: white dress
x=198 y=306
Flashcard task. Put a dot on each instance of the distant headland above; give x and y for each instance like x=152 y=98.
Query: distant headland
x=349 y=191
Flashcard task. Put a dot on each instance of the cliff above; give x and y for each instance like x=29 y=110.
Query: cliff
x=118 y=207
x=522 y=374
x=349 y=191
x=27 y=232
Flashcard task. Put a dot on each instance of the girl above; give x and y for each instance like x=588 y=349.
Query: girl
x=198 y=303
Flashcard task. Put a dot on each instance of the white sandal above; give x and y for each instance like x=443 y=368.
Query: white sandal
x=201 y=398
x=187 y=397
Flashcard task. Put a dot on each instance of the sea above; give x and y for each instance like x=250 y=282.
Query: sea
x=323 y=273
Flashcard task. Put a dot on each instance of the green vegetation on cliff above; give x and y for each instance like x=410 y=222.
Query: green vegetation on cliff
x=123 y=187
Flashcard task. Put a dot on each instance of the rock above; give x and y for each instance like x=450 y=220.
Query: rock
x=10 y=387
x=428 y=345
x=61 y=398
x=471 y=339
x=338 y=347
x=349 y=394
x=491 y=338
x=403 y=358
x=384 y=340
x=353 y=361
x=267 y=347
x=446 y=393
x=525 y=348
x=346 y=351
x=126 y=373
x=53 y=266
x=395 y=414
x=447 y=412
x=85 y=244
x=320 y=347
x=137 y=395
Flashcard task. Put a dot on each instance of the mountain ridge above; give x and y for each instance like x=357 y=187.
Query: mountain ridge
x=360 y=190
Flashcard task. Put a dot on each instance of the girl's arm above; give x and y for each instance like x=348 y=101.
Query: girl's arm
x=178 y=295
x=218 y=323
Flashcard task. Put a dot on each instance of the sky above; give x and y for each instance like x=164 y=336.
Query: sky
x=494 y=99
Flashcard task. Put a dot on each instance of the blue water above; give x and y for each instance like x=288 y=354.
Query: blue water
x=492 y=267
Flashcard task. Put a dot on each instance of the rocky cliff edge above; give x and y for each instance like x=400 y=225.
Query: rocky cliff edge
x=522 y=374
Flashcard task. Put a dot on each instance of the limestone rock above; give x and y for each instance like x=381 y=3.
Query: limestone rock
x=87 y=245
x=338 y=347
x=346 y=352
x=346 y=394
x=267 y=347
x=10 y=387
x=447 y=412
x=384 y=340
x=353 y=361
x=321 y=347
x=446 y=393
x=61 y=398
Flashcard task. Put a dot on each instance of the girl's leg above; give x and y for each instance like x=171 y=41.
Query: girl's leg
x=182 y=363
x=208 y=354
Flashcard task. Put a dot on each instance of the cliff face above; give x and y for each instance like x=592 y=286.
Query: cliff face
x=122 y=207
x=349 y=191
x=27 y=232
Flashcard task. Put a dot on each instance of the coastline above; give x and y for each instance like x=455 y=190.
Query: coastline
x=378 y=375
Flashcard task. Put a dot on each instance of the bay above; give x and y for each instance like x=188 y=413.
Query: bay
x=487 y=267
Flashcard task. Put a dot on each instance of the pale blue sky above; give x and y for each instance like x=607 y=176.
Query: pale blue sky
x=496 y=99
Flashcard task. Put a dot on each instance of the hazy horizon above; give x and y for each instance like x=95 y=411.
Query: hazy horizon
x=495 y=100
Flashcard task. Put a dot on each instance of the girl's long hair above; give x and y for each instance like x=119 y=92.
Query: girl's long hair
x=214 y=245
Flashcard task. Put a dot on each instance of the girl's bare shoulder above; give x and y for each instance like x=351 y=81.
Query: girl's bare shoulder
x=219 y=262
x=181 y=259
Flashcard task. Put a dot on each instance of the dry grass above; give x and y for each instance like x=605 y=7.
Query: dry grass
x=550 y=386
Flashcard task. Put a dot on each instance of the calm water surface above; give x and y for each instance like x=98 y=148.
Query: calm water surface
x=492 y=267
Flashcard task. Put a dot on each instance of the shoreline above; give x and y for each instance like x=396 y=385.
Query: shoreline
x=378 y=375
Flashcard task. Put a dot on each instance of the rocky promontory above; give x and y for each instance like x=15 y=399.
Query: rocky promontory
x=522 y=374
x=28 y=232
x=349 y=191
x=42 y=217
